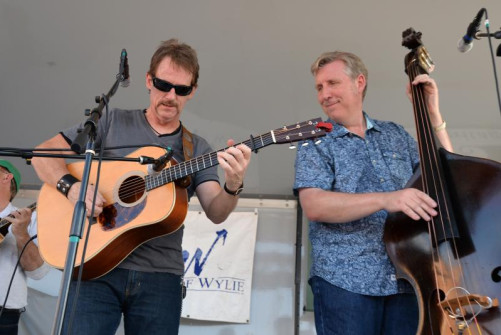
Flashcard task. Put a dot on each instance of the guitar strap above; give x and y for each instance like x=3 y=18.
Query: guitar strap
x=187 y=144
x=185 y=182
x=188 y=153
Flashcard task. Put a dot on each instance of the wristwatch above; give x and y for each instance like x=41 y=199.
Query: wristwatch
x=237 y=192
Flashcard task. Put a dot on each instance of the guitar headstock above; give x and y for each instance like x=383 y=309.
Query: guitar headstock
x=302 y=131
x=411 y=39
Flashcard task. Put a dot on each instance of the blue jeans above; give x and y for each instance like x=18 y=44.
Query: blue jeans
x=149 y=301
x=338 y=311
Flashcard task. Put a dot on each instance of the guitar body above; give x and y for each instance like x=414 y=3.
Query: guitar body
x=129 y=218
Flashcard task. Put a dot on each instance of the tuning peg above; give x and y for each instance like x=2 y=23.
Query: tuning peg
x=317 y=142
x=292 y=146
x=304 y=144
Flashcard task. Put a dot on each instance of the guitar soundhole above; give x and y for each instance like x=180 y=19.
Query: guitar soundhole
x=131 y=202
x=132 y=189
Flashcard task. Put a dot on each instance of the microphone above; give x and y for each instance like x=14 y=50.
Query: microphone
x=123 y=71
x=465 y=43
x=143 y=160
x=160 y=162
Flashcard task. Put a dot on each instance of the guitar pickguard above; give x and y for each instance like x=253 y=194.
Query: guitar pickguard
x=116 y=215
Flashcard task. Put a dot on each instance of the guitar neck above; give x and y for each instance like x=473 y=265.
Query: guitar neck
x=203 y=162
x=5 y=223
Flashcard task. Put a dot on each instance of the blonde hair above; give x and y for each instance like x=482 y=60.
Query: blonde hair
x=353 y=65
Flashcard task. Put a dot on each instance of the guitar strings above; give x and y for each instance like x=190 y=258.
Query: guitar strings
x=135 y=186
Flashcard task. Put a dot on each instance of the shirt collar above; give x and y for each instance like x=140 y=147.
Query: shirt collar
x=7 y=210
x=339 y=130
x=371 y=123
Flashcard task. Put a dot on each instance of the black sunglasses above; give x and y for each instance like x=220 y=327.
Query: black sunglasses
x=165 y=86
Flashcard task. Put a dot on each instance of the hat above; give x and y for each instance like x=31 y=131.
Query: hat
x=12 y=169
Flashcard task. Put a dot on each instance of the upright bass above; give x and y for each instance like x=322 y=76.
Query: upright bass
x=452 y=261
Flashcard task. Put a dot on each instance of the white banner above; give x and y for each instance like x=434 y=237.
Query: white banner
x=218 y=261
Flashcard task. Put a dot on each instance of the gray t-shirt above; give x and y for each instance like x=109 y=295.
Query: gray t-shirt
x=130 y=128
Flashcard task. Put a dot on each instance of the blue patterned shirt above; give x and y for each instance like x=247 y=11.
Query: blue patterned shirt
x=352 y=255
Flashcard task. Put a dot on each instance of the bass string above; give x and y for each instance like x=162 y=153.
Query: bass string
x=428 y=149
x=419 y=105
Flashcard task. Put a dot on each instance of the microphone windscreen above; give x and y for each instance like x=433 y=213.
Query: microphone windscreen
x=463 y=46
x=125 y=83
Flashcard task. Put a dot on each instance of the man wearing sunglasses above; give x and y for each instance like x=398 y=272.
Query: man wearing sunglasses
x=146 y=287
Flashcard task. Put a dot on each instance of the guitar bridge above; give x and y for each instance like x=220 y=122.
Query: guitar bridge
x=470 y=304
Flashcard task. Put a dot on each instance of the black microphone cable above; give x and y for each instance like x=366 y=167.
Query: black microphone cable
x=14 y=274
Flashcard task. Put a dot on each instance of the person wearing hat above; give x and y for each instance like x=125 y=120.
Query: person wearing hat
x=12 y=240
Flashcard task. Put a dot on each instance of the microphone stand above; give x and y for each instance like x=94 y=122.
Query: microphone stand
x=79 y=210
x=75 y=236
x=492 y=58
x=88 y=134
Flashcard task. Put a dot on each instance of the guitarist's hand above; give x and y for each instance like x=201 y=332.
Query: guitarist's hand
x=20 y=220
x=234 y=162
x=74 y=192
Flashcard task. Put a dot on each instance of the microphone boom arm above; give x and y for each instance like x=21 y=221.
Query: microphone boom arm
x=90 y=126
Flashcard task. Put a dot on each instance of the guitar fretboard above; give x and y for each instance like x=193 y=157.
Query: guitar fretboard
x=203 y=162
x=4 y=223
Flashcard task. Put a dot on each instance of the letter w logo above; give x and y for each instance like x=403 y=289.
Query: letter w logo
x=198 y=254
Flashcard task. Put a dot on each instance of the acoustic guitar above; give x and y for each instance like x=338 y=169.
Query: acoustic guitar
x=139 y=206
